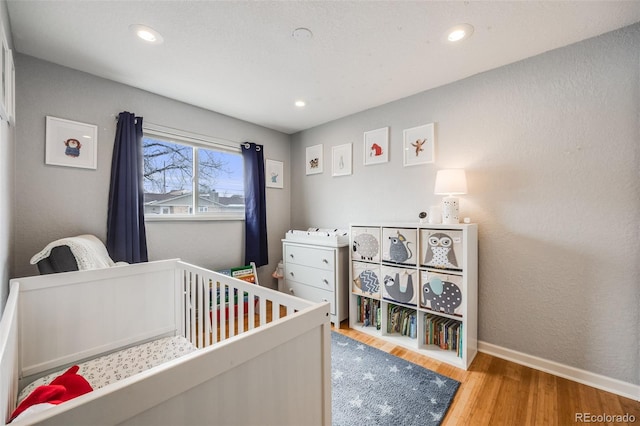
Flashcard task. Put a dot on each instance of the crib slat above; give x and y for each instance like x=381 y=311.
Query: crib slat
x=207 y=312
x=241 y=295
x=231 y=311
x=263 y=311
x=251 y=316
x=275 y=310
x=212 y=312
x=221 y=308
x=192 y=295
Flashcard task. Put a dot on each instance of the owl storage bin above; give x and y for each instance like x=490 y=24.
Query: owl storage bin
x=441 y=248
x=365 y=244
x=399 y=246
x=441 y=292
x=400 y=285
x=366 y=279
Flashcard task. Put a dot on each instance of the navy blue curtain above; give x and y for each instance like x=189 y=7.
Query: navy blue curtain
x=126 y=235
x=255 y=208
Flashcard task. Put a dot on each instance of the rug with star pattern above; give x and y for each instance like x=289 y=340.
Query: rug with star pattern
x=372 y=387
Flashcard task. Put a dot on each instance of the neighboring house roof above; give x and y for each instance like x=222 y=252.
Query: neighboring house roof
x=185 y=200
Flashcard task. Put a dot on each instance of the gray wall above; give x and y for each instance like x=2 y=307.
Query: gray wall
x=550 y=145
x=54 y=202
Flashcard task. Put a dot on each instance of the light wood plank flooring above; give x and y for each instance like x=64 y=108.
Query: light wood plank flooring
x=498 y=392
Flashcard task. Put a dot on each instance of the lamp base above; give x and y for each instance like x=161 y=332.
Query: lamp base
x=450 y=210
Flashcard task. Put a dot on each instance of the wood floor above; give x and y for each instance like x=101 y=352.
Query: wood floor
x=498 y=392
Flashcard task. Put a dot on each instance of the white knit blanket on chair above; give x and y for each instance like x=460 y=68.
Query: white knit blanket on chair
x=89 y=251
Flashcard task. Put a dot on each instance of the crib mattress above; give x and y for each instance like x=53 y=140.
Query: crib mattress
x=102 y=371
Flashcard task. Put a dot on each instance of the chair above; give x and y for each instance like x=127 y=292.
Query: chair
x=73 y=254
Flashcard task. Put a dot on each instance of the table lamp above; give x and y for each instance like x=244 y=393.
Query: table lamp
x=450 y=182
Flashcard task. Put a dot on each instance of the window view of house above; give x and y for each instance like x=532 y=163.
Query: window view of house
x=189 y=179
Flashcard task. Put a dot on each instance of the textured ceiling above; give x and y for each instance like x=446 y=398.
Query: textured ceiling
x=240 y=59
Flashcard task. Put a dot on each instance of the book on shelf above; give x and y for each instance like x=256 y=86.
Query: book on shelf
x=445 y=333
x=401 y=320
x=368 y=312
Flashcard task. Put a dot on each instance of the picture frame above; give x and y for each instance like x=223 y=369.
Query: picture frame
x=71 y=143
x=4 y=52
x=314 y=163
x=419 y=145
x=341 y=160
x=274 y=174
x=376 y=146
x=10 y=87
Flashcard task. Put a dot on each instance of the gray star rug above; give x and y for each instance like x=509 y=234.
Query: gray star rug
x=372 y=387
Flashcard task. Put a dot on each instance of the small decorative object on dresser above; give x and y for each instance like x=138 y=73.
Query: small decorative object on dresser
x=421 y=292
x=316 y=268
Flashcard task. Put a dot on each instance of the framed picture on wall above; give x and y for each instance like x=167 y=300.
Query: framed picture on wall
x=419 y=145
x=274 y=174
x=376 y=146
x=71 y=144
x=341 y=160
x=314 y=159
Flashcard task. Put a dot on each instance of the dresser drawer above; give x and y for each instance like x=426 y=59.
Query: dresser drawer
x=312 y=294
x=314 y=277
x=308 y=256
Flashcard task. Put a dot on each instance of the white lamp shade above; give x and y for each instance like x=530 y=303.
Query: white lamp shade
x=451 y=182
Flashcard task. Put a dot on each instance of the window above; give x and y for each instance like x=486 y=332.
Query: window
x=182 y=170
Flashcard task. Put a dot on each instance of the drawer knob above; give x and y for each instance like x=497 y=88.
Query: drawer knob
x=324 y=300
x=291 y=255
x=291 y=290
x=291 y=273
x=325 y=261
x=326 y=281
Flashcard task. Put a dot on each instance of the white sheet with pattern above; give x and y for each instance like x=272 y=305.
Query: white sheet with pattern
x=119 y=365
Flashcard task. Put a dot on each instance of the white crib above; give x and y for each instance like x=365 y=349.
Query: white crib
x=264 y=373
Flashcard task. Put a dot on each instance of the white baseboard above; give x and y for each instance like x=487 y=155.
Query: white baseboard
x=628 y=390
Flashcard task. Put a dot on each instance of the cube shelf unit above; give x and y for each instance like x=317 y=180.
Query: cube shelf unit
x=420 y=277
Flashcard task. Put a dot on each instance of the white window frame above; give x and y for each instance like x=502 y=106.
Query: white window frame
x=196 y=141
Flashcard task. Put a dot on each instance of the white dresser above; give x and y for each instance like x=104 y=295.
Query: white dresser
x=318 y=270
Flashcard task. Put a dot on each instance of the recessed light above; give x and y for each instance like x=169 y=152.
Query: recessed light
x=146 y=33
x=300 y=104
x=459 y=32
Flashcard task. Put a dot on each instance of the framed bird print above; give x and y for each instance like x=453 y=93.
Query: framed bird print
x=419 y=145
x=70 y=143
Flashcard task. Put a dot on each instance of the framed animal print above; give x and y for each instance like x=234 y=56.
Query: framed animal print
x=70 y=143
x=419 y=145
x=274 y=174
x=314 y=159
x=376 y=146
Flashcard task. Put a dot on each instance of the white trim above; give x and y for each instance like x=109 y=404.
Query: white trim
x=190 y=138
x=618 y=387
x=150 y=217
